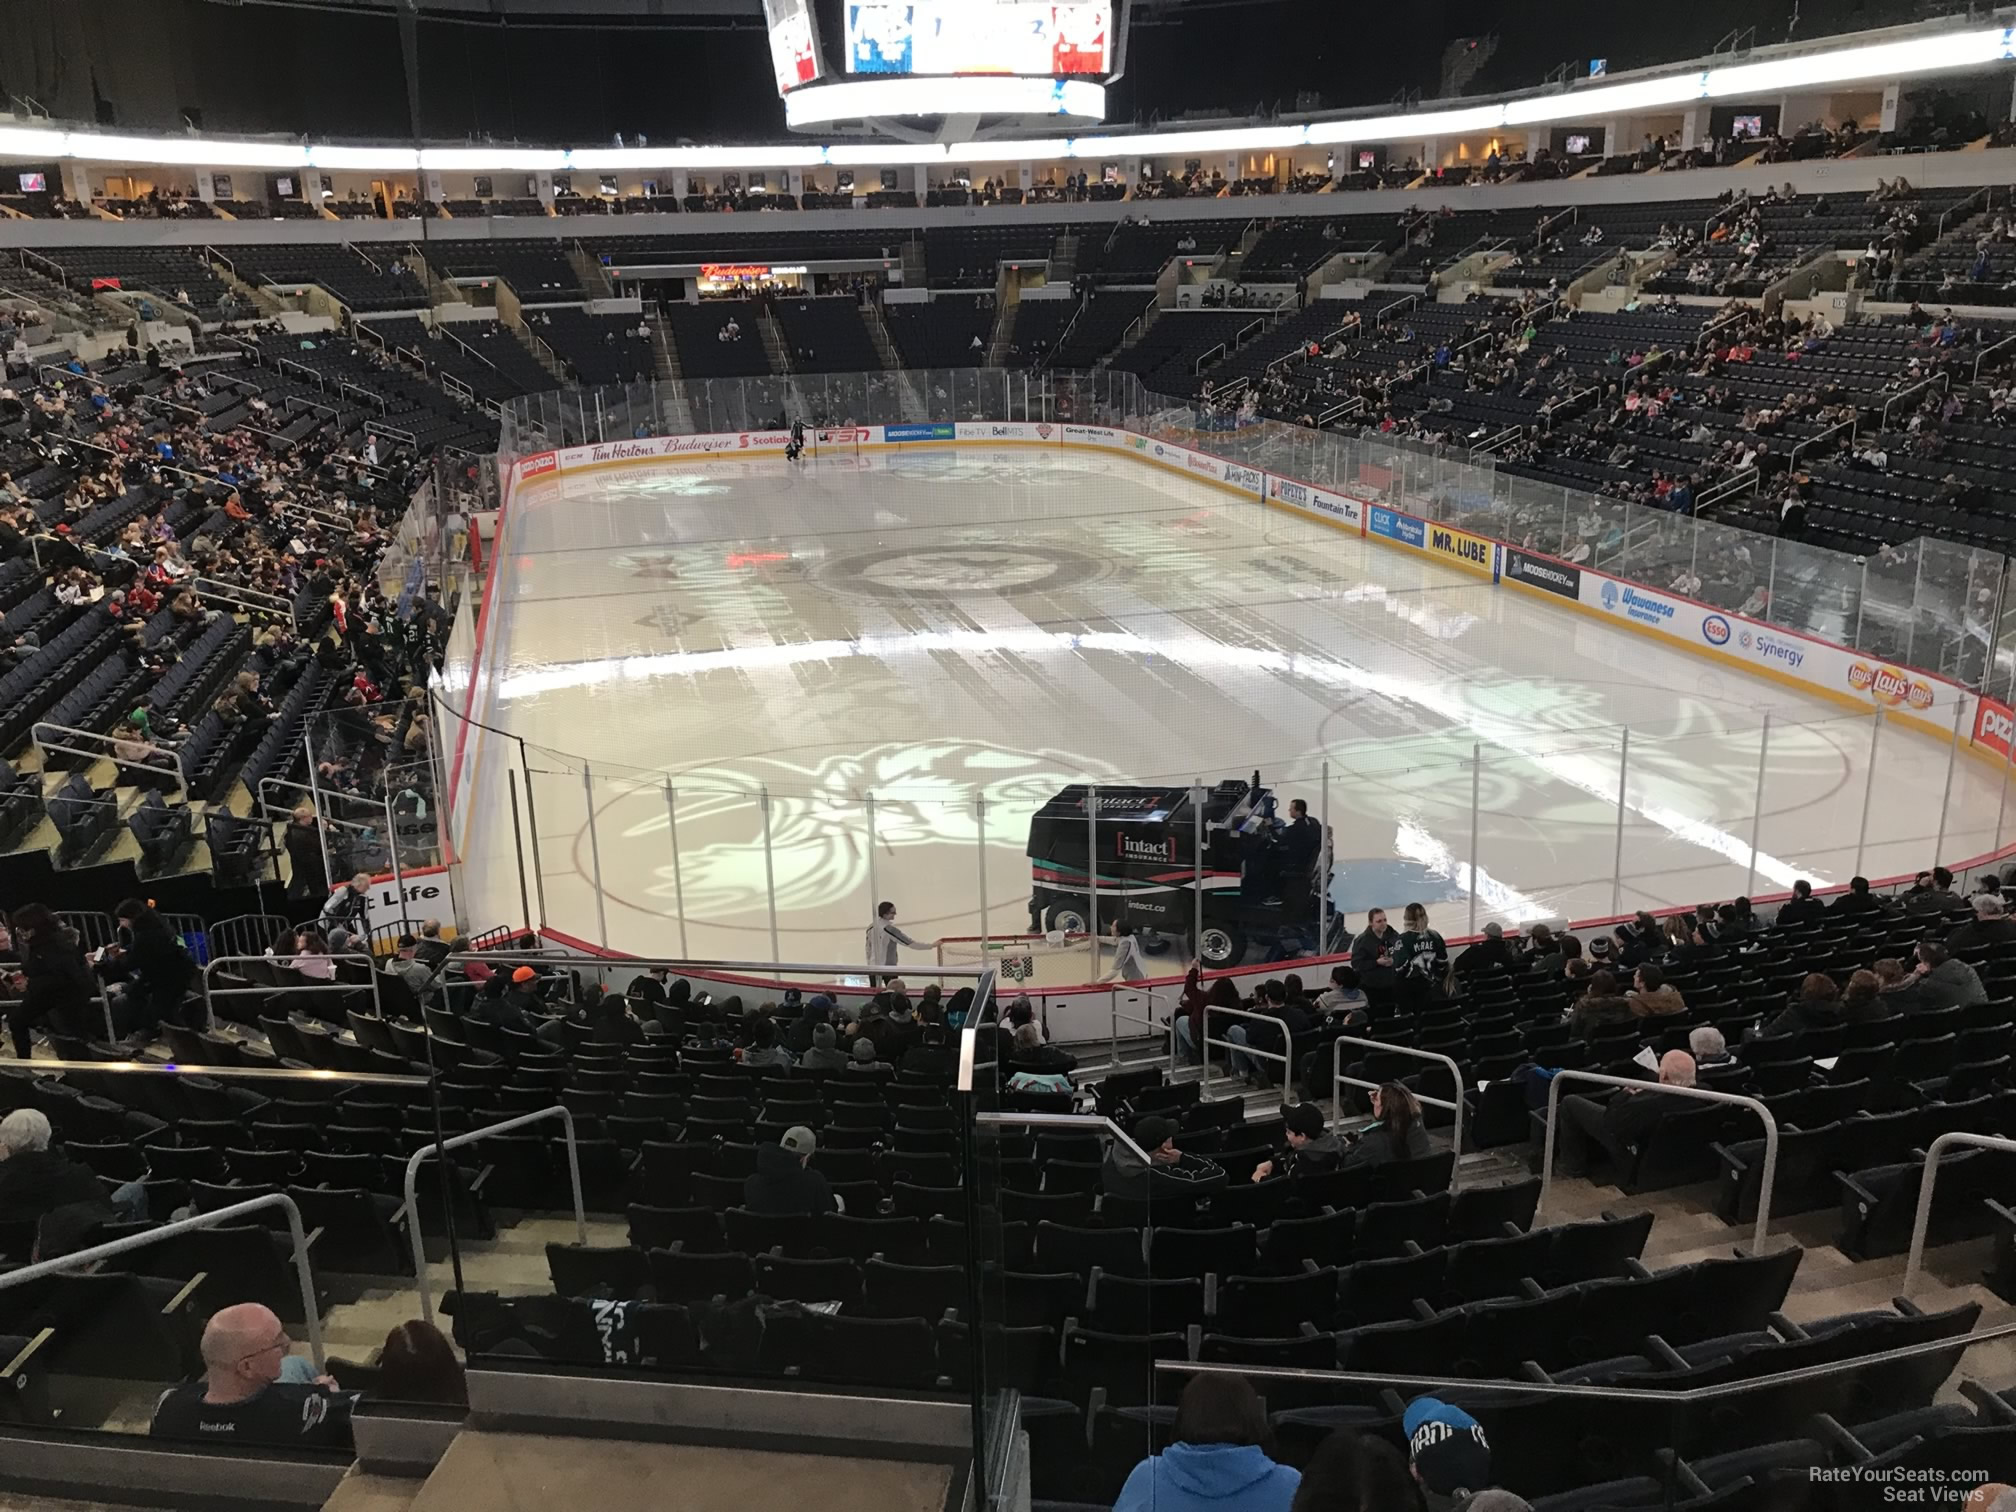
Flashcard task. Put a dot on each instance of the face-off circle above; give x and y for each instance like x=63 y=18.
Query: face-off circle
x=954 y=571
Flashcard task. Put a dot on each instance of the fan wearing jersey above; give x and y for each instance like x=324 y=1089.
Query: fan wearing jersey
x=254 y=1391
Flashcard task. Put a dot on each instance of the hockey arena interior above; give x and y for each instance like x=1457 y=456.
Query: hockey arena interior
x=991 y=756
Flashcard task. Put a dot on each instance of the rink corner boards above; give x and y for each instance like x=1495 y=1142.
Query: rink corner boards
x=1913 y=699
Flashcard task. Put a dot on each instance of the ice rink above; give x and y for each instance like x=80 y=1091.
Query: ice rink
x=941 y=628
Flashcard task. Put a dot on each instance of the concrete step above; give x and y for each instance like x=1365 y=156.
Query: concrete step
x=512 y=1471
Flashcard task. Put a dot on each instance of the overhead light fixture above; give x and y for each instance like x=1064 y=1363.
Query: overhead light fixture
x=1014 y=95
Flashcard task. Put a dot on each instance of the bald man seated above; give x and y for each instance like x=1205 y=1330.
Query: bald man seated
x=254 y=1391
x=1620 y=1125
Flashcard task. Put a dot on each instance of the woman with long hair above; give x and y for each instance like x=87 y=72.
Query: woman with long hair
x=1224 y=993
x=1399 y=1134
x=1421 y=957
x=54 y=981
x=156 y=968
x=418 y=1365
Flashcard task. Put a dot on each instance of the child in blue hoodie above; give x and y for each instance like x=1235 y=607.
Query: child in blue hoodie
x=1218 y=1461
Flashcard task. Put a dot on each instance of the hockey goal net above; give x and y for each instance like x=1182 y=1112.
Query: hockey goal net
x=1020 y=958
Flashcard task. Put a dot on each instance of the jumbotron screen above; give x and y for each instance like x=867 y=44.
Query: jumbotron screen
x=794 y=42
x=978 y=37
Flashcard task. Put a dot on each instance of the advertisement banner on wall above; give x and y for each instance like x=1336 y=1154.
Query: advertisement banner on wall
x=1821 y=664
x=1197 y=462
x=941 y=430
x=1314 y=500
x=1994 y=725
x=1002 y=430
x=1092 y=435
x=1247 y=479
x=1461 y=549
x=1892 y=687
x=1541 y=572
x=1394 y=526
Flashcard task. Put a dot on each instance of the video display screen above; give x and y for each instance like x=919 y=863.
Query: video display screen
x=1032 y=37
x=794 y=49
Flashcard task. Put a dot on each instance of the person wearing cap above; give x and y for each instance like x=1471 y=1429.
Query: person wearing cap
x=1990 y=927
x=417 y=974
x=1447 y=1452
x=1312 y=1148
x=650 y=988
x=506 y=1002
x=1492 y=954
x=784 y=1181
x=862 y=1060
x=932 y=1057
x=1167 y=1172
x=1216 y=1460
x=825 y=1054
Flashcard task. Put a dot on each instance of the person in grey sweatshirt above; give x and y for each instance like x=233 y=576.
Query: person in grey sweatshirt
x=824 y=1055
x=1944 y=980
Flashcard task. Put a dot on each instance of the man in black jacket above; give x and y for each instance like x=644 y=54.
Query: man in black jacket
x=1857 y=900
x=36 y=1182
x=1372 y=959
x=1168 y=1173
x=1312 y=1148
x=1802 y=907
x=784 y=1181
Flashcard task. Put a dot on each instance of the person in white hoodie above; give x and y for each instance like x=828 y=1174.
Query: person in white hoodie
x=1129 y=964
x=884 y=937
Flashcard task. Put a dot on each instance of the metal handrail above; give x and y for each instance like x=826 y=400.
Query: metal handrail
x=229 y=1073
x=1386 y=1379
x=1699 y=1094
x=1286 y=1055
x=209 y=992
x=1923 y=1221
x=258 y=596
x=413 y=1179
x=273 y=811
x=108 y=754
x=213 y=1219
x=1063 y=1121
x=781 y=968
x=1117 y=1018
x=1338 y=1081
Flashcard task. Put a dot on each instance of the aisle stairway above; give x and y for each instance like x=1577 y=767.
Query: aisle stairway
x=507 y=1471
